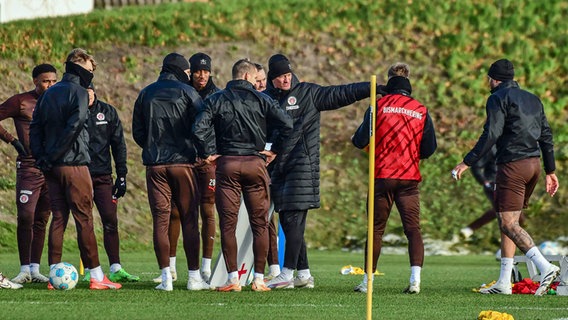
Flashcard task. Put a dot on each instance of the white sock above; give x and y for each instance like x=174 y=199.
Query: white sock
x=288 y=274
x=234 y=277
x=415 y=274
x=259 y=276
x=166 y=274
x=506 y=270
x=115 y=267
x=206 y=265
x=173 y=264
x=538 y=259
x=274 y=269
x=34 y=268
x=25 y=268
x=97 y=273
x=304 y=273
x=366 y=278
x=195 y=274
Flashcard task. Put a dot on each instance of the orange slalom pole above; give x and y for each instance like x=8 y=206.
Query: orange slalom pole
x=371 y=198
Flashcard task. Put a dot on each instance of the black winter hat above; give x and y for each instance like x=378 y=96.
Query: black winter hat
x=278 y=65
x=42 y=68
x=502 y=70
x=200 y=61
x=176 y=60
x=398 y=83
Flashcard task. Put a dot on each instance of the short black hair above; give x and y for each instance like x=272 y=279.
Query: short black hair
x=42 y=68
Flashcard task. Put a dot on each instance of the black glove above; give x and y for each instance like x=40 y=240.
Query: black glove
x=20 y=148
x=43 y=165
x=119 y=188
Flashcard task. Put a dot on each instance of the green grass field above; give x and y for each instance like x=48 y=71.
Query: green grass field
x=447 y=283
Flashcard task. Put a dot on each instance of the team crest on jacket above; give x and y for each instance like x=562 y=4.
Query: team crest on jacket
x=25 y=196
x=292 y=103
x=100 y=116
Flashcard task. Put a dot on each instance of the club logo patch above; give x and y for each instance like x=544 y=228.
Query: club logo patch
x=100 y=116
x=292 y=100
x=24 y=198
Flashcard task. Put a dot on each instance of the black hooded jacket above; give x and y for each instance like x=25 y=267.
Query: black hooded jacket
x=295 y=173
x=237 y=121
x=106 y=135
x=58 y=133
x=163 y=116
x=517 y=125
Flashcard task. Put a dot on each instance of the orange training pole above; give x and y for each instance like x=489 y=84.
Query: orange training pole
x=371 y=199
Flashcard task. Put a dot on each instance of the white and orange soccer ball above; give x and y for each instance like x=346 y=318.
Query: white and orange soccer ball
x=63 y=276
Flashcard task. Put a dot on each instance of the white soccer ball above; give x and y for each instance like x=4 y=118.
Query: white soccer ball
x=549 y=248
x=63 y=276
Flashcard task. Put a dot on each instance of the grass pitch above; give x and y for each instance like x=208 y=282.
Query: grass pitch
x=447 y=283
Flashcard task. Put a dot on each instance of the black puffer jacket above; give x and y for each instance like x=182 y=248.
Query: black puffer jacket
x=516 y=123
x=295 y=173
x=242 y=119
x=106 y=135
x=163 y=116
x=58 y=133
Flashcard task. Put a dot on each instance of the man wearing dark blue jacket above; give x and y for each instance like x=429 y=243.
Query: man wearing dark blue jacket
x=517 y=125
x=295 y=174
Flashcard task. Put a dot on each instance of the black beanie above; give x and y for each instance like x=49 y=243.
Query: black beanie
x=278 y=65
x=502 y=70
x=42 y=68
x=397 y=84
x=176 y=60
x=200 y=61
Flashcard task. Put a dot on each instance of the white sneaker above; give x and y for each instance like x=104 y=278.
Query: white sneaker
x=466 y=233
x=158 y=279
x=206 y=276
x=546 y=281
x=39 y=278
x=166 y=286
x=361 y=287
x=413 y=288
x=280 y=282
x=497 y=288
x=22 y=277
x=7 y=284
x=301 y=282
x=197 y=284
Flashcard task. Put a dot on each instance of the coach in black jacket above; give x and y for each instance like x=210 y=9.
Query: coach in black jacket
x=295 y=175
x=163 y=117
x=235 y=125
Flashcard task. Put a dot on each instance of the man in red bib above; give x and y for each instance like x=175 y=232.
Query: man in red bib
x=404 y=135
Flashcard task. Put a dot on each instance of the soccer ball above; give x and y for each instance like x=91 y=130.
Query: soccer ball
x=63 y=276
x=549 y=248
